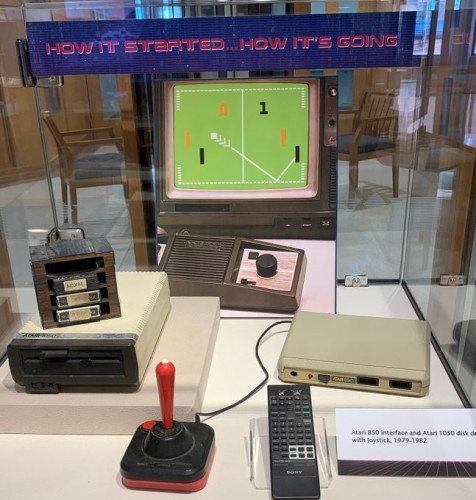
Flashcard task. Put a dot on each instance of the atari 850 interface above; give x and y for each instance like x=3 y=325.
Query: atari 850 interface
x=358 y=352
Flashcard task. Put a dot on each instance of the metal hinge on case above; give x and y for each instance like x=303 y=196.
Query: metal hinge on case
x=29 y=80
x=452 y=279
x=356 y=280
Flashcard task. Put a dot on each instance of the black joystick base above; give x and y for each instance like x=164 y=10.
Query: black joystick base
x=178 y=458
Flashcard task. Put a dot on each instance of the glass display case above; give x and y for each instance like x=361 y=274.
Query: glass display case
x=439 y=254
x=385 y=101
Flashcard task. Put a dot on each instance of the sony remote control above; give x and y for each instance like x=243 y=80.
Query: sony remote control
x=293 y=458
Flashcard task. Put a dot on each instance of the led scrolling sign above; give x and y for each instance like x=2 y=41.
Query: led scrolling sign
x=382 y=39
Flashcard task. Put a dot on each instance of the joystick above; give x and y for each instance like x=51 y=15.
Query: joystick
x=266 y=265
x=166 y=454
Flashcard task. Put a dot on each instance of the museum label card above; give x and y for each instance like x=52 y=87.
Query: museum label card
x=406 y=442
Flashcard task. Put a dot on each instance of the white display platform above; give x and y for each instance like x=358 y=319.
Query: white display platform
x=188 y=340
x=55 y=467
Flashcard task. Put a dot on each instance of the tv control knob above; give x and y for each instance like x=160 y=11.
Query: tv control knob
x=266 y=265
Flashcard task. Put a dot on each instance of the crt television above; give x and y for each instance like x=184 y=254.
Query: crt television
x=249 y=157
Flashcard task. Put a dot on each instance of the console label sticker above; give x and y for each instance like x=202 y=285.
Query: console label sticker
x=406 y=442
x=251 y=43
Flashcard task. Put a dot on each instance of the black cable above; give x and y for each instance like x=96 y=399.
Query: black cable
x=257 y=388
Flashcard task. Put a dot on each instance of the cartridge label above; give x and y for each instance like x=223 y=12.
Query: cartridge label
x=72 y=285
x=79 y=314
x=77 y=299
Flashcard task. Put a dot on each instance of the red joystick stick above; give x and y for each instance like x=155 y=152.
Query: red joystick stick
x=165 y=373
x=166 y=454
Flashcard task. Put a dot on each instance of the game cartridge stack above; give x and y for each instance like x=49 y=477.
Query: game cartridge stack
x=75 y=281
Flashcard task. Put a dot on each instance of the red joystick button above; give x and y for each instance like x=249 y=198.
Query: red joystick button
x=165 y=373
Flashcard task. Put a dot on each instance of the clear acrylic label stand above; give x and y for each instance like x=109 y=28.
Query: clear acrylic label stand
x=259 y=453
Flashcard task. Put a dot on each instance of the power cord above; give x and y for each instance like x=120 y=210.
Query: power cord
x=258 y=387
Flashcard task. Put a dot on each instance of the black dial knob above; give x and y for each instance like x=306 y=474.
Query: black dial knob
x=266 y=265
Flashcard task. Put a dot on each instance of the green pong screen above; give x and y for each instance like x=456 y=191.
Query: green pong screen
x=241 y=136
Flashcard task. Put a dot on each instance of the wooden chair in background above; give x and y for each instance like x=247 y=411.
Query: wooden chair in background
x=374 y=134
x=84 y=163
